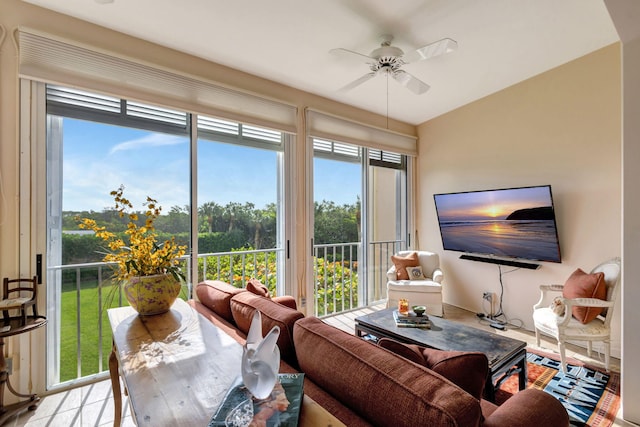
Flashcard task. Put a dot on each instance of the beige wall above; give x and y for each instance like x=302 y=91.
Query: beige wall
x=560 y=128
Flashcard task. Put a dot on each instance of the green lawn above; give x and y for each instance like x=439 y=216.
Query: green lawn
x=86 y=340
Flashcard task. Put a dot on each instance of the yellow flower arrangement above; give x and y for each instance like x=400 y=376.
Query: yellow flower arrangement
x=143 y=255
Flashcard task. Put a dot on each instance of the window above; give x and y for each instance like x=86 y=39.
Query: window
x=352 y=245
x=95 y=143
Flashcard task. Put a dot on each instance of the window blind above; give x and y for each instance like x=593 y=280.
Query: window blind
x=45 y=58
x=329 y=127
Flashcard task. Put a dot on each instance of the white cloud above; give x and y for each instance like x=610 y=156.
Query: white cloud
x=148 y=141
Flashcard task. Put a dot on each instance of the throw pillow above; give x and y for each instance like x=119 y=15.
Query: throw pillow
x=256 y=287
x=402 y=262
x=466 y=369
x=415 y=273
x=408 y=351
x=585 y=285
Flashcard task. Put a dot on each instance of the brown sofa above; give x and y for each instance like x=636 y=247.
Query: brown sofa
x=363 y=384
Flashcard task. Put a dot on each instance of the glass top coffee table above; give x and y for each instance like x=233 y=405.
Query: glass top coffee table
x=507 y=356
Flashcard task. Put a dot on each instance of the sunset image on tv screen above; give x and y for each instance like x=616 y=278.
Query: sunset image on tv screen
x=518 y=222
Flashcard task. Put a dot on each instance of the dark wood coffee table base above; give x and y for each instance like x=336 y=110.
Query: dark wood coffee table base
x=507 y=356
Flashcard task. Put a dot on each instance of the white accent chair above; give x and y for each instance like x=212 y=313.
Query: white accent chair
x=566 y=328
x=427 y=292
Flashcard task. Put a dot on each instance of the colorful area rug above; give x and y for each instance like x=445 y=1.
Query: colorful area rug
x=590 y=396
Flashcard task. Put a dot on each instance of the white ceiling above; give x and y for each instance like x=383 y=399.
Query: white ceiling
x=500 y=42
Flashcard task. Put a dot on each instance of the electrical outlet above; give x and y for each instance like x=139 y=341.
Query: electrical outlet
x=9 y=362
x=488 y=296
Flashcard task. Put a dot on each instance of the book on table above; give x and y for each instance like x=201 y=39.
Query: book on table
x=281 y=408
x=411 y=320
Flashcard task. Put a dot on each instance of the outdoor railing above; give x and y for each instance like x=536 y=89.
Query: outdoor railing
x=379 y=262
x=337 y=274
x=84 y=337
x=239 y=266
x=336 y=277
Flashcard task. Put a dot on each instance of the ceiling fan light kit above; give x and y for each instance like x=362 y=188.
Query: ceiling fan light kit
x=389 y=60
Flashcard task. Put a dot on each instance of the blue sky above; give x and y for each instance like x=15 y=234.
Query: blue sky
x=98 y=158
x=494 y=204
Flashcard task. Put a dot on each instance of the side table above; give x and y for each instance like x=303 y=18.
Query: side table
x=15 y=328
x=177 y=368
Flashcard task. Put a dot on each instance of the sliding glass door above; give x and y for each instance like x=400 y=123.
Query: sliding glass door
x=219 y=184
x=360 y=220
x=387 y=218
x=337 y=195
x=240 y=203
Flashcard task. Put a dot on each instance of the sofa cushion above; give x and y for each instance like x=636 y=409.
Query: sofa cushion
x=585 y=285
x=255 y=286
x=326 y=401
x=216 y=295
x=467 y=370
x=402 y=262
x=378 y=385
x=244 y=304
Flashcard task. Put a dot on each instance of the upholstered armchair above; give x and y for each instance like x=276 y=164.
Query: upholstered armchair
x=421 y=285
x=581 y=310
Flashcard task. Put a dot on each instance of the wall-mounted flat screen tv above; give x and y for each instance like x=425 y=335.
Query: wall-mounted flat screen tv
x=510 y=222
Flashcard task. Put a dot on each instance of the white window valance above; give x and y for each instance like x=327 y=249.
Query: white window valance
x=43 y=57
x=327 y=126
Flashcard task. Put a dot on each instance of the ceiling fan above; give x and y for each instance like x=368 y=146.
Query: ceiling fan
x=388 y=59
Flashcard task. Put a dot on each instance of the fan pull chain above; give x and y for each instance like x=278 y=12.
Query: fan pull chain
x=387 y=100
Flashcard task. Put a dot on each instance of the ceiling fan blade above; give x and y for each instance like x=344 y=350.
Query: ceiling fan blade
x=357 y=82
x=351 y=55
x=429 y=51
x=412 y=83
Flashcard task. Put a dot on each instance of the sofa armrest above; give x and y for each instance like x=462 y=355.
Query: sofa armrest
x=287 y=301
x=530 y=407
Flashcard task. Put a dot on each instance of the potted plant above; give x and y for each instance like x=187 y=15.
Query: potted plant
x=146 y=270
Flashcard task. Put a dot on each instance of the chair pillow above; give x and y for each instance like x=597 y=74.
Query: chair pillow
x=585 y=285
x=401 y=263
x=415 y=273
x=468 y=370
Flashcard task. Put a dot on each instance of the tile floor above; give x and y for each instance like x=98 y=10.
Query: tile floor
x=89 y=405
x=92 y=405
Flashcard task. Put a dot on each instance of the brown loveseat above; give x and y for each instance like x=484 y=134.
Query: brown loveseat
x=363 y=384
